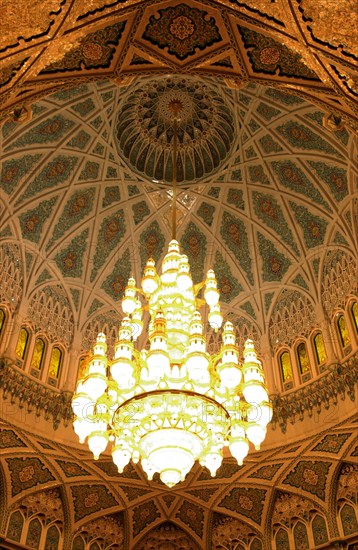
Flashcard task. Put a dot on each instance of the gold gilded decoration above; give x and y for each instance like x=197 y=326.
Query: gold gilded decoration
x=338 y=27
x=2 y=319
x=25 y=19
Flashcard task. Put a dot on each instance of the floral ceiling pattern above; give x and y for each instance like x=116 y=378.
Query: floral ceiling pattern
x=88 y=213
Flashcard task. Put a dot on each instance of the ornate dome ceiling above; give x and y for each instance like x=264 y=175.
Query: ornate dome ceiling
x=86 y=219
x=205 y=129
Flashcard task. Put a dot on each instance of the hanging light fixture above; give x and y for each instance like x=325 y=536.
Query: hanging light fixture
x=172 y=404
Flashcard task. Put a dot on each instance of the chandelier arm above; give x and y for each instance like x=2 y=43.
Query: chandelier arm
x=203 y=397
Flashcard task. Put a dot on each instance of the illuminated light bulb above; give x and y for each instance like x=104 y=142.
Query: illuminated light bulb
x=129 y=301
x=184 y=280
x=211 y=293
x=256 y=434
x=260 y=414
x=79 y=403
x=230 y=375
x=212 y=462
x=254 y=392
x=239 y=448
x=95 y=385
x=82 y=428
x=215 y=317
x=97 y=443
x=150 y=278
x=121 y=457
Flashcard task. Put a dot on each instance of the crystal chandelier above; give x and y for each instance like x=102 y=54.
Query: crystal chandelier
x=172 y=404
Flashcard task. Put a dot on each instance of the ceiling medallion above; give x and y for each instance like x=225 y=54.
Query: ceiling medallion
x=205 y=129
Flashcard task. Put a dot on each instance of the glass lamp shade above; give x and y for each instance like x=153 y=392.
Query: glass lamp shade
x=149 y=284
x=121 y=457
x=128 y=304
x=256 y=434
x=260 y=414
x=158 y=364
x=254 y=392
x=97 y=442
x=215 y=317
x=121 y=370
x=211 y=296
x=95 y=385
x=184 y=281
x=80 y=404
x=212 y=462
x=171 y=452
x=197 y=366
x=82 y=428
x=230 y=375
x=239 y=448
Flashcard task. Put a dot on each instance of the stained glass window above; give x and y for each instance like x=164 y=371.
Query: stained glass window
x=286 y=367
x=355 y=314
x=303 y=358
x=22 y=343
x=319 y=348
x=343 y=331
x=38 y=353
x=2 y=319
x=55 y=362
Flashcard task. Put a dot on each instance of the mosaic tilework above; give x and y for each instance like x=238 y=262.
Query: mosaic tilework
x=226 y=470
x=96 y=304
x=26 y=473
x=235 y=197
x=267 y=111
x=194 y=244
x=75 y=293
x=70 y=259
x=310 y=476
x=144 y=515
x=80 y=140
x=248 y=502
x=14 y=170
x=302 y=137
x=151 y=243
x=339 y=239
x=32 y=221
x=9 y=439
x=193 y=516
x=314 y=227
x=134 y=492
x=50 y=130
x=206 y=213
x=94 y=50
x=89 y=172
x=248 y=308
x=181 y=30
x=234 y=233
x=292 y=177
x=66 y=95
x=274 y=263
x=267 y=472
x=228 y=285
x=204 y=493
x=269 y=145
x=214 y=192
x=83 y=108
x=111 y=195
x=78 y=206
x=109 y=236
x=71 y=469
x=268 y=299
x=56 y=172
x=88 y=499
x=335 y=177
x=109 y=468
x=270 y=212
x=271 y=57
x=140 y=212
x=282 y=97
x=299 y=281
x=332 y=443
x=45 y=276
x=257 y=174
x=116 y=282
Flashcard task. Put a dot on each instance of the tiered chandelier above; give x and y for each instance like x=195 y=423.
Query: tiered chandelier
x=172 y=404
